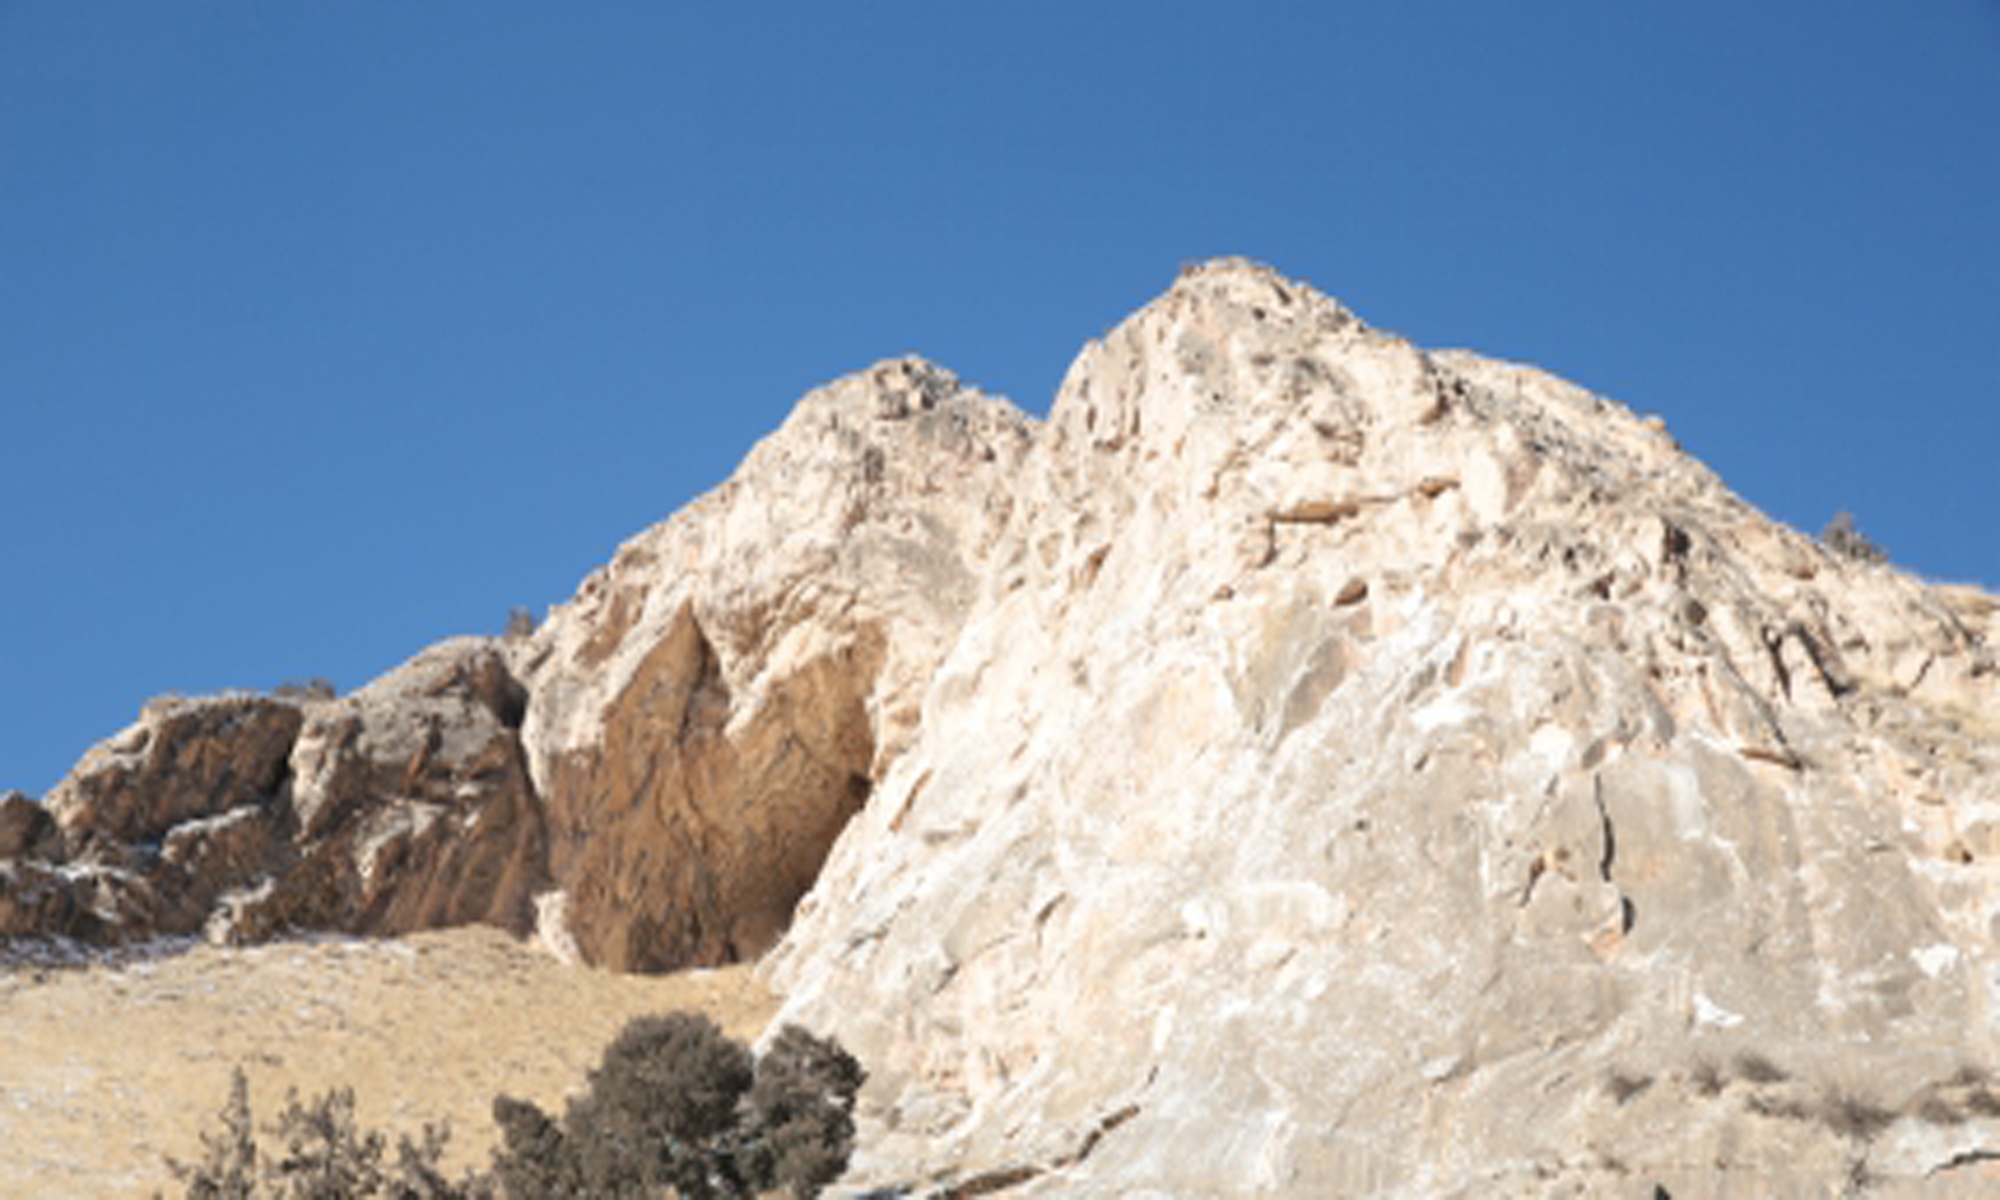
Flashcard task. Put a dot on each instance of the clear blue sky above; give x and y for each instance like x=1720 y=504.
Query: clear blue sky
x=329 y=330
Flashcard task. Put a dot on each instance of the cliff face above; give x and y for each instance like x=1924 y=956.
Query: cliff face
x=713 y=707
x=652 y=780
x=1366 y=768
x=1302 y=763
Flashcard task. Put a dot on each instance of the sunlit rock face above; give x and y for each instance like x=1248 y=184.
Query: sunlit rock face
x=403 y=806
x=1371 y=769
x=713 y=706
x=1304 y=763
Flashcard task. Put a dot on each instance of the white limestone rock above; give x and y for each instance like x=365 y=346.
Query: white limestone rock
x=1365 y=769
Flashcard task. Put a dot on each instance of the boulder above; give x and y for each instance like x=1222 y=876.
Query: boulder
x=409 y=808
x=185 y=758
x=406 y=805
x=38 y=900
x=27 y=830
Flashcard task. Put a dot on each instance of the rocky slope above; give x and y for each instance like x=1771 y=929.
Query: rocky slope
x=1375 y=769
x=1302 y=763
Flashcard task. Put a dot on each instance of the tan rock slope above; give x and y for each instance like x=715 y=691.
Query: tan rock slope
x=1303 y=764
x=1366 y=769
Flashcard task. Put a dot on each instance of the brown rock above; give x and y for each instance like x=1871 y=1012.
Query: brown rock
x=410 y=807
x=404 y=806
x=39 y=901
x=186 y=758
x=27 y=830
x=711 y=708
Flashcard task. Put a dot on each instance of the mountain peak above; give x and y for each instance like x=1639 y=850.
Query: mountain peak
x=1305 y=762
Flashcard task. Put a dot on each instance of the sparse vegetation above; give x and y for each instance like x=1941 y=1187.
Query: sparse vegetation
x=315 y=688
x=317 y=1152
x=674 y=1104
x=1622 y=1085
x=1756 y=1068
x=1841 y=537
x=1707 y=1078
x=1966 y=1094
x=521 y=623
x=1776 y=1093
x=677 y=1104
x=1854 y=1116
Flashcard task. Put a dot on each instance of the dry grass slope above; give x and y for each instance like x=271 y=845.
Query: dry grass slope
x=105 y=1069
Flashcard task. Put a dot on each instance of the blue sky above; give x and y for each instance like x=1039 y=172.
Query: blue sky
x=329 y=330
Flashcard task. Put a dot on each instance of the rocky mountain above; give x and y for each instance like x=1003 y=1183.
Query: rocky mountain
x=1304 y=763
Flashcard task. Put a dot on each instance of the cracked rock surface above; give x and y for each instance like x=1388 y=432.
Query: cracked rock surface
x=1371 y=769
x=1304 y=763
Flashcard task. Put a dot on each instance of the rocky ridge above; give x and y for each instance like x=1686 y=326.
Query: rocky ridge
x=1411 y=771
x=1303 y=761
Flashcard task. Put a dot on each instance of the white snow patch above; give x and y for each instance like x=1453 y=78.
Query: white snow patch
x=1438 y=713
x=1708 y=1012
x=1935 y=960
x=1552 y=744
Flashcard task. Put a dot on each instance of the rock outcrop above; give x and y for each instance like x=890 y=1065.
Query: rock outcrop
x=1304 y=763
x=656 y=774
x=713 y=707
x=1366 y=769
x=403 y=806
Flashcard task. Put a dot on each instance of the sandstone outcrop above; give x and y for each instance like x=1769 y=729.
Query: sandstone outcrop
x=409 y=806
x=27 y=830
x=1304 y=763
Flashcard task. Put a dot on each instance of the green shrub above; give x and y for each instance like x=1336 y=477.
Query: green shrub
x=801 y=1121
x=521 y=623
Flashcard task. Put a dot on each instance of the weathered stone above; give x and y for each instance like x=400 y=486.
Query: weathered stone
x=1210 y=872
x=39 y=900
x=1303 y=764
x=88 y=902
x=404 y=806
x=27 y=830
x=711 y=708
x=410 y=807
x=185 y=759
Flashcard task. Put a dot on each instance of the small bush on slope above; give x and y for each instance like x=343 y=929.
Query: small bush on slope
x=676 y=1103
x=1841 y=537
x=320 y=1154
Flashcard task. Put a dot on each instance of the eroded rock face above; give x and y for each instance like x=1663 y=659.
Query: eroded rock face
x=27 y=830
x=1366 y=769
x=403 y=806
x=1303 y=764
x=186 y=758
x=410 y=805
x=714 y=706
x=661 y=769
